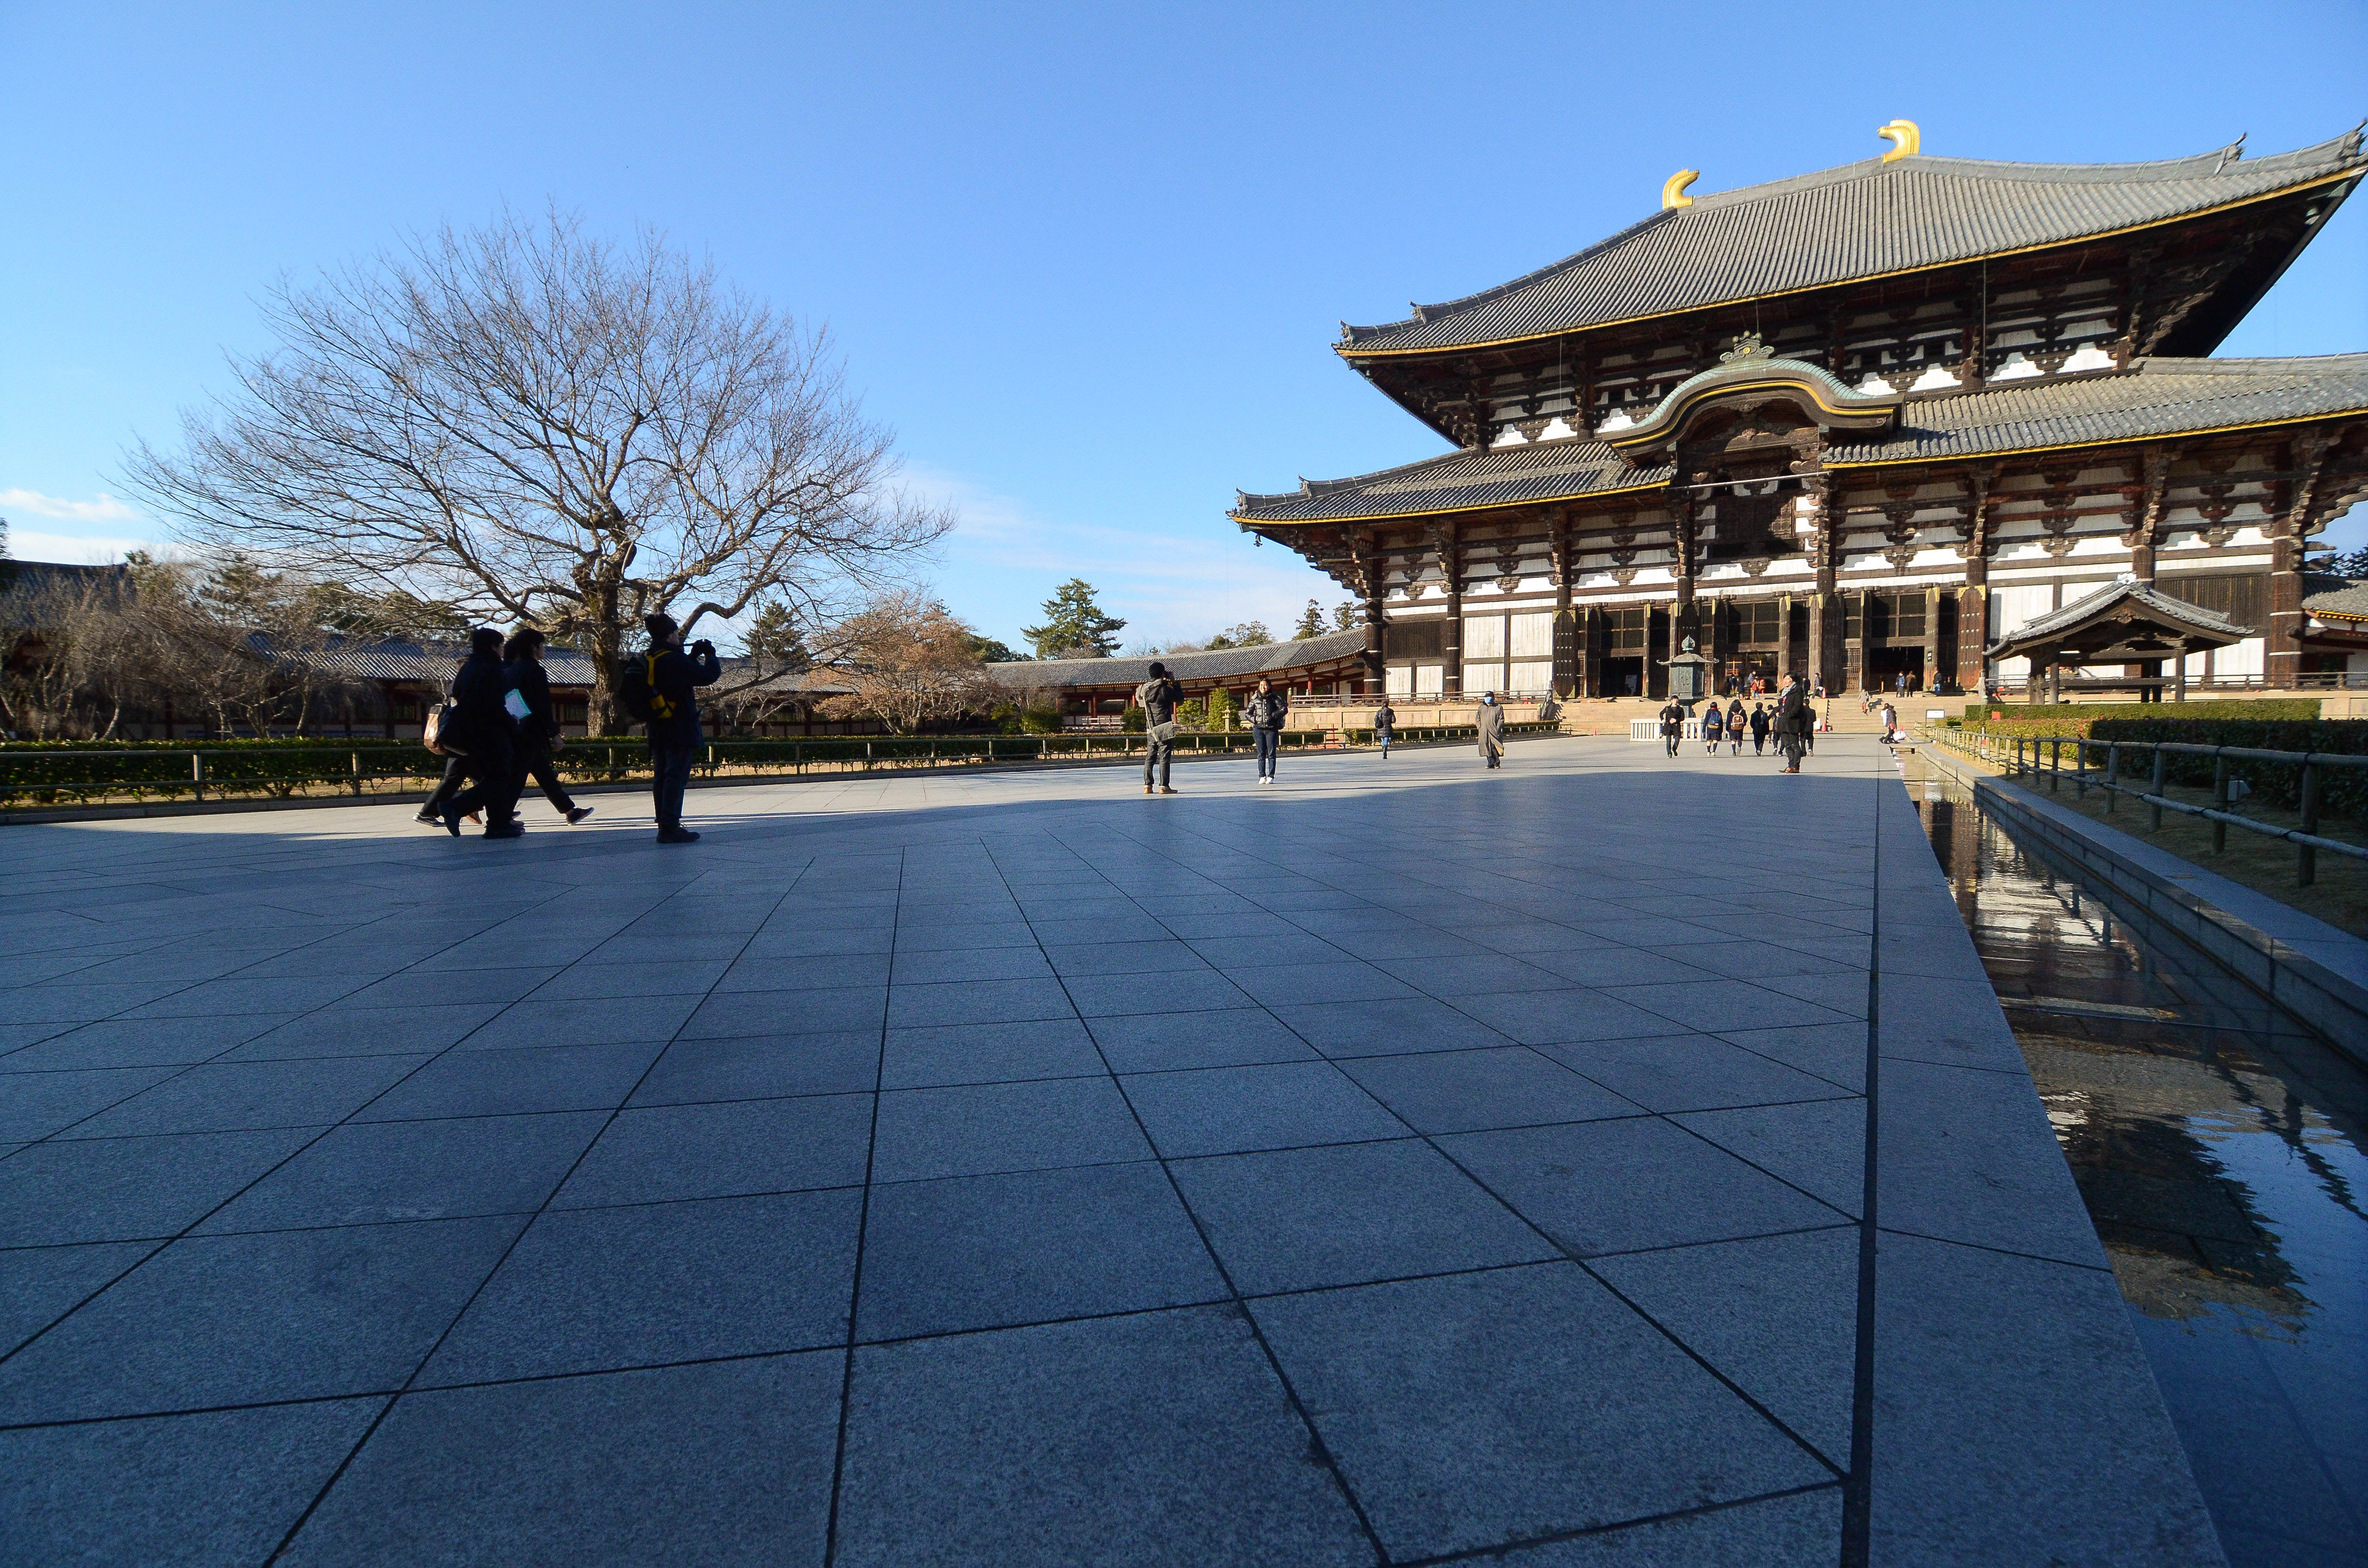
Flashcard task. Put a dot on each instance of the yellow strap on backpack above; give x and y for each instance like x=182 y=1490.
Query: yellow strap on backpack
x=660 y=707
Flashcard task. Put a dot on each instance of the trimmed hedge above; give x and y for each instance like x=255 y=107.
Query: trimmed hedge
x=2074 y=718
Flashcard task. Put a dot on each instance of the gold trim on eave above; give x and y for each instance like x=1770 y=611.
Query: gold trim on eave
x=1351 y=351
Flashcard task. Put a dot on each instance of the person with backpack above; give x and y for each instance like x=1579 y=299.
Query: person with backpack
x=1759 y=729
x=1735 y=727
x=660 y=689
x=1386 y=721
x=538 y=730
x=1157 y=698
x=1265 y=712
x=481 y=730
x=1710 y=727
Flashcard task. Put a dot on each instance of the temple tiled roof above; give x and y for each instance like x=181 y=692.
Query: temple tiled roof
x=2336 y=599
x=432 y=664
x=1226 y=664
x=2157 y=398
x=2161 y=397
x=1863 y=220
x=2156 y=608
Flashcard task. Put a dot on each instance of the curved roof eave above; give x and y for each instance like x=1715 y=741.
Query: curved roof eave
x=1503 y=318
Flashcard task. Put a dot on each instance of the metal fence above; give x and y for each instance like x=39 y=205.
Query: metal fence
x=2043 y=756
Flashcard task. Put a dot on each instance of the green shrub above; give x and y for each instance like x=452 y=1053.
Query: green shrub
x=1041 y=722
x=2343 y=792
x=1131 y=721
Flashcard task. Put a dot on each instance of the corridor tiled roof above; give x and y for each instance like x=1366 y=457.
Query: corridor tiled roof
x=1226 y=664
x=1863 y=219
x=2159 y=607
x=2155 y=398
x=2330 y=597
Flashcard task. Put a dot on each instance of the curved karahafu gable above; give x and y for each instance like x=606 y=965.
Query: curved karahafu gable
x=1750 y=378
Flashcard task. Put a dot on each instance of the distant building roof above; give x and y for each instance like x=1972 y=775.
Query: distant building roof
x=433 y=663
x=1863 y=219
x=1227 y=663
x=23 y=582
x=2330 y=597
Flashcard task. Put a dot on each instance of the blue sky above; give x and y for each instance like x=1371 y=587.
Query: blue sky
x=1086 y=260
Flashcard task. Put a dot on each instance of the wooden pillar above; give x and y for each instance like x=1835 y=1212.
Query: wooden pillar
x=2306 y=457
x=1448 y=548
x=1783 y=638
x=1932 y=681
x=2182 y=687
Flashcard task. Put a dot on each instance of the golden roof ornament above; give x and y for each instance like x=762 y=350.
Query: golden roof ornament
x=1748 y=346
x=1673 y=190
x=1903 y=137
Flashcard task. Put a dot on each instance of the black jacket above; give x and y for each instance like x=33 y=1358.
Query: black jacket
x=477 y=693
x=1792 y=713
x=1157 y=698
x=1266 y=712
x=675 y=681
x=525 y=677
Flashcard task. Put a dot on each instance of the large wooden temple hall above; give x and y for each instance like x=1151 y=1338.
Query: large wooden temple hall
x=1859 y=424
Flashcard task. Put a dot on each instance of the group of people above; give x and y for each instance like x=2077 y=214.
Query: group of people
x=1791 y=724
x=1264 y=710
x=498 y=729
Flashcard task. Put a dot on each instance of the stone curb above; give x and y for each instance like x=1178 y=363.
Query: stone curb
x=2325 y=984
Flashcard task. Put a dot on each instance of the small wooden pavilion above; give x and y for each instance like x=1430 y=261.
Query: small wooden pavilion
x=2127 y=624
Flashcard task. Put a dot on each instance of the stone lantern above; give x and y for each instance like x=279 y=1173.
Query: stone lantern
x=1688 y=675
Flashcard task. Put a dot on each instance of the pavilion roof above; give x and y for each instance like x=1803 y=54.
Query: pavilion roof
x=2116 y=617
x=2156 y=398
x=1225 y=663
x=1860 y=220
x=2336 y=599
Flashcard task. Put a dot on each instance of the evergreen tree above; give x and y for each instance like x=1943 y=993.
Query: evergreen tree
x=1311 y=622
x=2352 y=563
x=1242 y=634
x=775 y=641
x=1344 y=616
x=992 y=651
x=1074 y=625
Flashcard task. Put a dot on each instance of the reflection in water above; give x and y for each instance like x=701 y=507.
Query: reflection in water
x=2219 y=1147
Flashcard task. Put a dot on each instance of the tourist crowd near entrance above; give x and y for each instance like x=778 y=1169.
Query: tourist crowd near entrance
x=1865 y=425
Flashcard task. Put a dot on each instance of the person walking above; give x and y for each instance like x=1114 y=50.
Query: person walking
x=1673 y=725
x=1157 y=698
x=1386 y=721
x=1759 y=729
x=1794 y=716
x=1891 y=735
x=483 y=732
x=538 y=727
x=1710 y=727
x=1491 y=719
x=673 y=678
x=1735 y=727
x=1265 y=711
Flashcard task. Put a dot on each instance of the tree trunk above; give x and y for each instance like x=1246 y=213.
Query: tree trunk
x=607 y=648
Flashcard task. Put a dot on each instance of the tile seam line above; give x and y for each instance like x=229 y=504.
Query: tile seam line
x=1235 y=1298
x=1858 y=1500
x=863 y=1218
x=1563 y=1251
x=1508 y=1550
x=260 y=1177
x=412 y=1378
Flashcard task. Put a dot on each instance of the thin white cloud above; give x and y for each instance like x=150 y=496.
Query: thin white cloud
x=105 y=509
x=78 y=550
x=1169 y=585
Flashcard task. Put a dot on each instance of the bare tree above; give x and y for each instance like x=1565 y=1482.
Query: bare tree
x=529 y=422
x=909 y=661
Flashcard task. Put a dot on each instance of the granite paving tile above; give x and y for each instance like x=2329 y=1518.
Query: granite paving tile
x=728 y=1014
x=1219 y=1037
x=1553 y=1017
x=221 y=1486
x=1465 y=1091
x=977 y=1002
x=36 y=1105
x=596 y=1289
x=1713 y=1004
x=234 y=1095
x=1673 y=1189
x=1773 y=1532
x=1157 y=1439
x=1161 y=991
x=1389 y=1026
x=982 y=1129
x=1298 y=1219
x=1689 y=1072
x=1835 y=1053
x=372 y=1172
x=505 y=1083
x=104 y=1189
x=607 y=1020
x=725 y=1463
x=380 y=1031
x=141 y=1042
x=1480 y=1408
x=37 y=1285
x=763 y=1067
x=213 y=1321
x=656 y=1153
x=676 y=977
x=984 y=1252
x=1223 y=1111
x=948 y=1054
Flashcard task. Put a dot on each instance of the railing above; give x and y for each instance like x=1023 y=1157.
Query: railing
x=2026 y=760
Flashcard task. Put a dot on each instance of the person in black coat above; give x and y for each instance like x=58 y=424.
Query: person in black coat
x=483 y=732
x=673 y=719
x=537 y=732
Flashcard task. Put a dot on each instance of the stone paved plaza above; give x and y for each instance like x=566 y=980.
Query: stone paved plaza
x=1405 y=1163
